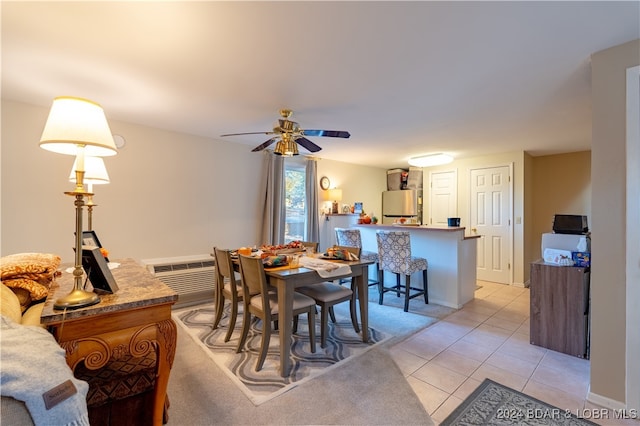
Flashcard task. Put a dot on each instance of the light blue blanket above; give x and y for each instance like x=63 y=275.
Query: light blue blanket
x=33 y=363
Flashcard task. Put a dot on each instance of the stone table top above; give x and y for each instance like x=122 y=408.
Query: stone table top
x=137 y=287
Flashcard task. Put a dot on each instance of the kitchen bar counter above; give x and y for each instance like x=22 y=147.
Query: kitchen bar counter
x=450 y=253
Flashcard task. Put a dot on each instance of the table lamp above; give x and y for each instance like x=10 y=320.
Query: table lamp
x=95 y=173
x=77 y=126
x=335 y=194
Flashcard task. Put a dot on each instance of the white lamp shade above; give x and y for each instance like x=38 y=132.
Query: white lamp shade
x=335 y=194
x=95 y=171
x=430 y=160
x=76 y=121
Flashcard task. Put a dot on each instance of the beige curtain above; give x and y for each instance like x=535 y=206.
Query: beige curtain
x=274 y=199
x=311 y=190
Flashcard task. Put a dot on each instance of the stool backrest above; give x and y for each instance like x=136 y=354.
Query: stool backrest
x=348 y=237
x=394 y=251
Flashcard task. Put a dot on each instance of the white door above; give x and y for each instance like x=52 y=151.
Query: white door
x=491 y=219
x=443 y=199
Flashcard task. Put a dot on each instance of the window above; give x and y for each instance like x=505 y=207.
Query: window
x=295 y=201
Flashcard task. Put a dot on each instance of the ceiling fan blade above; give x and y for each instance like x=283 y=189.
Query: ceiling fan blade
x=329 y=133
x=307 y=144
x=249 y=133
x=264 y=144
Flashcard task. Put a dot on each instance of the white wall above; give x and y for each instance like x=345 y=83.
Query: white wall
x=170 y=194
x=608 y=176
x=358 y=183
x=464 y=167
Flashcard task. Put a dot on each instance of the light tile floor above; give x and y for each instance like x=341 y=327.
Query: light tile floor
x=489 y=338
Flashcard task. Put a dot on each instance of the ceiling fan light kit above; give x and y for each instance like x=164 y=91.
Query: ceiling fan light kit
x=286 y=147
x=430 y=160
x=288 y=135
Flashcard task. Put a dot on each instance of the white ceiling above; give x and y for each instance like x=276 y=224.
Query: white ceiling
x=405 y=78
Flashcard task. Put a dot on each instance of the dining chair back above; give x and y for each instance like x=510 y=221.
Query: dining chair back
x=394 y=252
x=261 y=301
x=352 y=238
x=227 y=288
x=352 y=304
x=313 y=245
x=327 y=295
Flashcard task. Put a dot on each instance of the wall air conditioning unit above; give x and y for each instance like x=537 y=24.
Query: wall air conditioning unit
x=192 y=277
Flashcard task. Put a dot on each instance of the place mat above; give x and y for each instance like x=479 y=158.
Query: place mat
x=343 y=345
x=495 y=404
x=325 y=268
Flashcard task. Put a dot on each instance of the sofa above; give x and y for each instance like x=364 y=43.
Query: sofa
x=119 y=393
x=32 y=364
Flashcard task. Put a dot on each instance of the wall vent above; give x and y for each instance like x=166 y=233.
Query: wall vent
x=192 y=277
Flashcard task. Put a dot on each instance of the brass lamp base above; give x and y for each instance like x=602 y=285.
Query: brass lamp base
x=77 y=299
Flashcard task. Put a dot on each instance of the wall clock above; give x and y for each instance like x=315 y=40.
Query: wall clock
x=324 y=183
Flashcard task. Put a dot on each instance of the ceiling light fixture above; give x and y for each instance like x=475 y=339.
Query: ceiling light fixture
x=286 y=146
x=430 y=160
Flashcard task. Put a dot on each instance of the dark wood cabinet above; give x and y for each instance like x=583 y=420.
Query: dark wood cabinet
x=560 y=308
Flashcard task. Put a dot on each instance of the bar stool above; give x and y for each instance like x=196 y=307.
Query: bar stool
x=351 y=238
x=394 y=252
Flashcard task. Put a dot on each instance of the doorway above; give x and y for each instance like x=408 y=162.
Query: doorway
x=491 y=210
x=443 y=198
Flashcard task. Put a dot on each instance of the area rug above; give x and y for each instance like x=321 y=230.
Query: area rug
x=495 y=404
x=343 y=345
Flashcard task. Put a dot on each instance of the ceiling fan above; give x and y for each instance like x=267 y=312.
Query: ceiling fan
x=288 y=133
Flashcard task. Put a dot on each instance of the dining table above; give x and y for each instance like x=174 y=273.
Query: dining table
x=286 y=279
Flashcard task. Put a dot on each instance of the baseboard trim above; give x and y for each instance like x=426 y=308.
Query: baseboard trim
x=605 y=402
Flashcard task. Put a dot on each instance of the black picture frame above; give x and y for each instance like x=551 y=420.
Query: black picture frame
x=90 y=239
x=95 y=265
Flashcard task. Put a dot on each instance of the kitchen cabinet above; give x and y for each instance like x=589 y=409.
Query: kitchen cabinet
x=328 y=224
x=560 y=308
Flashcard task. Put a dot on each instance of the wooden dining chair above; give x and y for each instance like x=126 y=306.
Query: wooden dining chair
x=261 y=301
x=227 y=288
x=311 y=244
x=329 y=294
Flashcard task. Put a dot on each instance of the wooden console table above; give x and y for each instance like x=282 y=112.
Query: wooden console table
x=560 y=308
x=134 y=321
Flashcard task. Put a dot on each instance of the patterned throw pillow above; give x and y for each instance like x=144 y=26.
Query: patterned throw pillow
x=29 y=275
x=35 y=266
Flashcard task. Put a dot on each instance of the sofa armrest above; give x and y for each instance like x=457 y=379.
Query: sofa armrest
x=32 y=364
x=15 y=412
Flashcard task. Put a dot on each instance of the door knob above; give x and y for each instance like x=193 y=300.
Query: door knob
x=474 y=230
